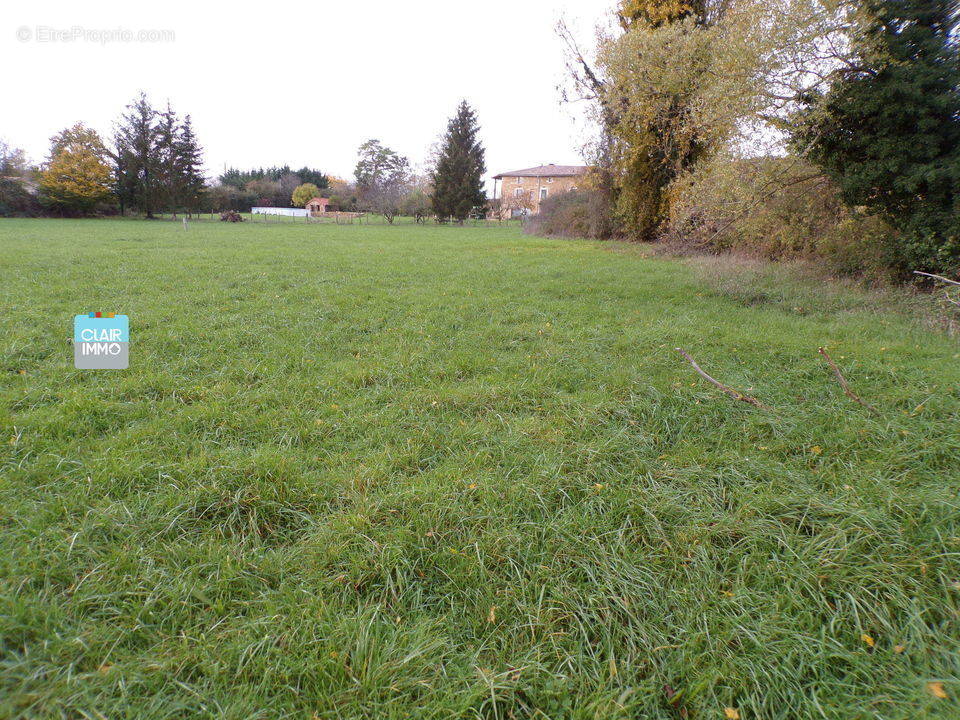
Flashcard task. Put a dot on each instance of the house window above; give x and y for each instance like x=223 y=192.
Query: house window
x=519 y=180
x=543 y=193
x=549 y=180
x=518 y=192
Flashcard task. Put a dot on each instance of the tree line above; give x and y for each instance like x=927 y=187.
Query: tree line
x=786 y=127
x=155 y=164
x=157 y=160
x=451 y=190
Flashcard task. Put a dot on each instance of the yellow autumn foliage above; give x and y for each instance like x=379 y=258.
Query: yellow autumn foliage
x=76 y=179
x=654 y=12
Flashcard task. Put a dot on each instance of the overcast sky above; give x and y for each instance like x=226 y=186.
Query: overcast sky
x=300 y=84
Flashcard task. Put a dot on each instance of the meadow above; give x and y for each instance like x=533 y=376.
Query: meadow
x=442 y=472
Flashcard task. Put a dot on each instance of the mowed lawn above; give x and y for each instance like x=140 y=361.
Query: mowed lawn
x=441 y=472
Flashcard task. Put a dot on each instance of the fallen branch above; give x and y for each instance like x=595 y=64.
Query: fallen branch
x=941 y=278
x=843 y=383
x=948 y=281
x=735 y=394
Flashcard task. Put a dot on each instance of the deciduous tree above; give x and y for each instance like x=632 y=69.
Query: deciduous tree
x=75 y=178
x=303 y=194
x=383 y=176
x=688 y=78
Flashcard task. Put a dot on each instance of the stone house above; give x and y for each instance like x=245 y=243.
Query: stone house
x=522 y=191
x=317 y=206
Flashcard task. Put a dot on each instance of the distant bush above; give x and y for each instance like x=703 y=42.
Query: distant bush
x=16 y=200
x=578 y=213
x=416 y=204
x=226 y=197
x=779 y=209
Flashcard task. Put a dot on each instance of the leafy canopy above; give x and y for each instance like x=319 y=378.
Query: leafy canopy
x=76 y=178
x=303 y=194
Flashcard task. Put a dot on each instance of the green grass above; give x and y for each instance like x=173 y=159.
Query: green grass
x=429 y=472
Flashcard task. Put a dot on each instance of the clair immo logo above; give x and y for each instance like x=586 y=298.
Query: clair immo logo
x=101 y=341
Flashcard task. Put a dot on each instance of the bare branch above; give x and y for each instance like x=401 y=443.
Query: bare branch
x=843 y=383
x=937 y=277
x=735 y=394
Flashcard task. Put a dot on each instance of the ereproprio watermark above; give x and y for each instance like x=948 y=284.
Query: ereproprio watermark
x=100 y=36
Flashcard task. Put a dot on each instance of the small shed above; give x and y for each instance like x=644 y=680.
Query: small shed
x=317 y=206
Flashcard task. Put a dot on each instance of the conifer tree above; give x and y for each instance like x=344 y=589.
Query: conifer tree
x=158 y=162
x=458 y=175
x=168 y=160
x=190 y=166
x=888 y=131
x=136 y=161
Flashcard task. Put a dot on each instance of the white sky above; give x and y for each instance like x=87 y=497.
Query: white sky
x=303 y=84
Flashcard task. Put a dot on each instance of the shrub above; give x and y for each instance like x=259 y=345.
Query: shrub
x=226 y=197
x=16 y=200
x=578 y=213
x=778 y=208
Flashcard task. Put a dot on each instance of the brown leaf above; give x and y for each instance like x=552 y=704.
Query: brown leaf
x=675 y=701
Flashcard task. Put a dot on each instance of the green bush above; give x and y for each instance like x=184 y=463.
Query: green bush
x=578 y=213
x=779 y=208
x=16 y=200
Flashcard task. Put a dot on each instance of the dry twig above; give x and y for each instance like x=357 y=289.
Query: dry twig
x=946 y=293
x=843 y=383
x=941 y=278
x=736 y=394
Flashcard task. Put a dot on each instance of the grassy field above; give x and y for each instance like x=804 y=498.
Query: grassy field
x=427 y=472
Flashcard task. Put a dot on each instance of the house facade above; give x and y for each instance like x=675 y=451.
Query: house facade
x=317 y=206
x=522 y=191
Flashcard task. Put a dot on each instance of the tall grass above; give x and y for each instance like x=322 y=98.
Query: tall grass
x=428 y=472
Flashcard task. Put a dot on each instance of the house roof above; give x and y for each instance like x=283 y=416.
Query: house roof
x=550 y=170
x=321 y=200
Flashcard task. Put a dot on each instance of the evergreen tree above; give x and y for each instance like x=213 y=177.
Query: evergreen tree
x=136 y=161
x=309 y=175
x=888 y=131
x=458 y=175
x=168 y=160
x=240 y=178
x=190 y=156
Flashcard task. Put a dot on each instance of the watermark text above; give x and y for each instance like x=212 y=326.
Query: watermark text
x=95 y=36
